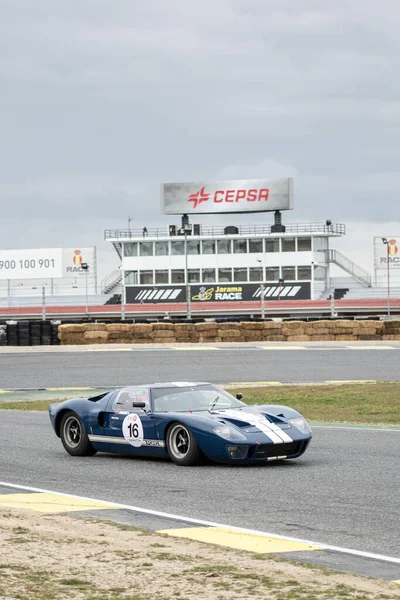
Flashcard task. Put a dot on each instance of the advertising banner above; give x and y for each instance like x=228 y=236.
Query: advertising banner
x=73 y=259
x=387 y=253
x=31 y=263
x=247 y=292
x=235 y=196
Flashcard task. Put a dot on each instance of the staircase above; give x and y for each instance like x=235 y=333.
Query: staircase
x=118 y=248
x=111 y=281
x=339 y=259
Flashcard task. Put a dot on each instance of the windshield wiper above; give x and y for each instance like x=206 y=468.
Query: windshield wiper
x=213 y=405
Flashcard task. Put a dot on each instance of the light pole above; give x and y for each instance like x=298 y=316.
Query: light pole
x=85 y=267
x=386 y=242
x=262 y=289
x=186 y=228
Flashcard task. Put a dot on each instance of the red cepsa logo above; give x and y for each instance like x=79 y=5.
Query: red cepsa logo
x=222 y=196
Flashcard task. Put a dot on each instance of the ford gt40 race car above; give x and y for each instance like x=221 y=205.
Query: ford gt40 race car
x=182 y=421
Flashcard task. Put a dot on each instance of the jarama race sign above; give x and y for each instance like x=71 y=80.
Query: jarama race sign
x=234 y=196
x=387 y=253
x=205 y=293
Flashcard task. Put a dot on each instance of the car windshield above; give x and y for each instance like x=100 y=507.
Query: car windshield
x=194 y=398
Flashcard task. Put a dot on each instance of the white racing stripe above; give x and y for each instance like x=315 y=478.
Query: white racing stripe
x=271 y=430
x=110 y=439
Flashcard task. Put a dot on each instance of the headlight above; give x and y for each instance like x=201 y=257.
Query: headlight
x=228 y=433
x=301 y=424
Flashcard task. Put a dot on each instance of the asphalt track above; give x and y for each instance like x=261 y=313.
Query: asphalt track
x=244 y=363
x=343 y=492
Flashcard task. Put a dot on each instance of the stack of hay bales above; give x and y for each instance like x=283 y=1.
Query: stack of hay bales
x=186 y=332
x=230 y=332
x=95 y=333
x=141 y=333
x=345 y=331
x=320 y=331
x=252 y=332
x=163 y=333
x=294 y=331
x=71 y=334
x=208 y=332
x=391 y=330
x=119 y=333
x=368 y=330
x=272 y=331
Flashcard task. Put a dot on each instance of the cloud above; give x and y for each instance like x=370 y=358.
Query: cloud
x=101 y=102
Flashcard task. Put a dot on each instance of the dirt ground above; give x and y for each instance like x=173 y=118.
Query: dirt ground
x=44 y=557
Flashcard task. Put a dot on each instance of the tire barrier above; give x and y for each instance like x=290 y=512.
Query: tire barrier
x=268 y=331
x=29 y=333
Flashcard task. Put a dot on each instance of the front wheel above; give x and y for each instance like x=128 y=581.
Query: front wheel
x=182 y=447
x=74 y=437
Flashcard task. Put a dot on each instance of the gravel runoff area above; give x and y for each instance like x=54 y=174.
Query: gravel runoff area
x=59 y=557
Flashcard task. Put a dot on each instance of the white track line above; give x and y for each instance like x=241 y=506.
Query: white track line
x=164 y=515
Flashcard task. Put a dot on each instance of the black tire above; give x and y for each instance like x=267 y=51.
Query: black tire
x=74 y=437
x=182 y=447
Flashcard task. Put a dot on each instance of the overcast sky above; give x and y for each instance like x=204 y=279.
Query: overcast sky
x=102 y=101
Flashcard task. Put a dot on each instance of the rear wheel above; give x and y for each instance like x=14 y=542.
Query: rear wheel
x=74 y=437
x=182 y=446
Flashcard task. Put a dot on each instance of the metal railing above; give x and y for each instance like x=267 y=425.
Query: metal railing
x=111 y=281
x=333 y=256
x=334 y=230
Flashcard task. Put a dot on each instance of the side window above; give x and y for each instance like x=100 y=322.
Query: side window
x=125 y=398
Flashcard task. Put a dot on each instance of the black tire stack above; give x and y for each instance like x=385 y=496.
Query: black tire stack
x=23 y=333
x=3 y=335
x=45 y=333
x=35 y=333
x=12 y=333
x=54 y=333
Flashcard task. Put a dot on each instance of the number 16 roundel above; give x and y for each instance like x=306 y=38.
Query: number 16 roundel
x=132 y=430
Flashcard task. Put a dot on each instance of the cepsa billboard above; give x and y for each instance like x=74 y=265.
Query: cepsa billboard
x=236 y=196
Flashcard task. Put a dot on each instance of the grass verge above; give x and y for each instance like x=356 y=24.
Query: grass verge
x=370 y=403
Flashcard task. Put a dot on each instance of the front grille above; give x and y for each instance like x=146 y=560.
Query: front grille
x=274 y=450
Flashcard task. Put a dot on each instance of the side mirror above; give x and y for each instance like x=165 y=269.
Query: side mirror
x=239 y=396
x=138 y=404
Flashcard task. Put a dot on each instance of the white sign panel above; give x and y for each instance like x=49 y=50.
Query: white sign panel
x=235 y=196
x=73 y=259
x=33 y=263
x=389 y=253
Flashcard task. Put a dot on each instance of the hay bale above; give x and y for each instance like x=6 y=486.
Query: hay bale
x=163 y=340
x=210 y=333
x=229 y=339
x=275 y=338
x=74 y=342
x=320 y=325
x=344 y=325
x=122 y=339
x=293 y=324
x=364 y=331
x=71 y=328
x=272 y=325
x=391 y=336
x=346 y=337
x=323 y=338
x=137 y=328
x=297 y=331
x=206 y=327
x=369 y=324
x=209 y=340
x=365 y=337
x=192 y=335
x=315 y=332
x=113 y=327
x=186 y=340
x=95 y=327
x=163 y=333
x=298 y=338
x=252 y=336
x=163 y=327
x=249 y=325
x=233 y=333
x=70 y=335
x=184 y=327
x=94 y=335
x=229 y=326
x=340 y=331
x=116 y=335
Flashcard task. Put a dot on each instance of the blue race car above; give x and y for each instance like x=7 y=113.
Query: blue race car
x=180 y=420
